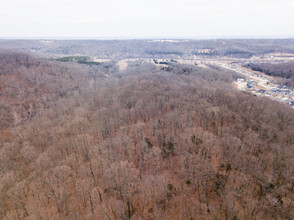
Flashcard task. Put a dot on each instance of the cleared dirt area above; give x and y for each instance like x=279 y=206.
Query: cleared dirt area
x=101 y=60
x=123 y=64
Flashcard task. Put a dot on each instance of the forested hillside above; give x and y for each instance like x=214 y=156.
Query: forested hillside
x=29 y=84
x=238 y=48
x=143 y=143
x=284 y=70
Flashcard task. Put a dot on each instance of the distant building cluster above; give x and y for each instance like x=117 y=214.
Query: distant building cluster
x=205 y=51
x=251 y=84
x=267 y=88
x=290 y=102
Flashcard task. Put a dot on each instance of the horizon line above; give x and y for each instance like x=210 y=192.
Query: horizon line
x=152 y=38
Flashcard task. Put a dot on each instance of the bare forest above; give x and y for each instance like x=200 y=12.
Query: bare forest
x=85 y=141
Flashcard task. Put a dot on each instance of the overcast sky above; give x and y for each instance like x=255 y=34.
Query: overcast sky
x=146 y=18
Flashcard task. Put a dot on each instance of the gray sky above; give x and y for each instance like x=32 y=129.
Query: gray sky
x=146 y=18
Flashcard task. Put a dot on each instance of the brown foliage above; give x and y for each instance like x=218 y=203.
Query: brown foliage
x=152 y=144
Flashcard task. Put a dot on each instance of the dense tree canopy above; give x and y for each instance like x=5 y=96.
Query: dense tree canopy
x=143 y=143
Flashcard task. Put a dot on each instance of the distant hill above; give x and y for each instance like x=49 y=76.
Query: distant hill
x=118 y=49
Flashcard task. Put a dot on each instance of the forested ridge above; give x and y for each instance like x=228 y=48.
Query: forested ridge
x=240 y=48
x=144 y=143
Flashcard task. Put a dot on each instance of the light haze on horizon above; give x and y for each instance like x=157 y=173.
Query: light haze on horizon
x=146 y=18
